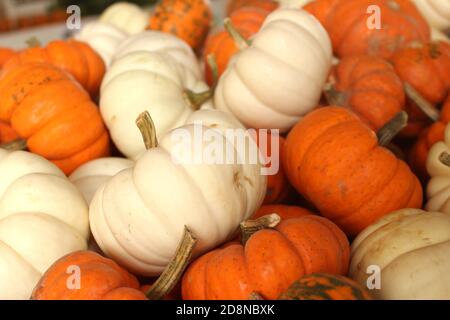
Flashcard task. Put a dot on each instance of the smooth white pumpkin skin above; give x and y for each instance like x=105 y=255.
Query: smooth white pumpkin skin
x=412 y=249
x=89 y=177
x=126 y=16
x=42 y=218
x=138 y=217
x=143 y=81
x=280 y=77
x=436 y=12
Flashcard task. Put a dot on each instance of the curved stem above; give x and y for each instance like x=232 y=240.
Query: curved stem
x=238 y=38
x=175 y=269
x=444 y=158
x=392 y=128
x=148 y=130
x=15 y=145
x=333 y=96
x=212 y=64
x=250 y=227
x=33 y=42
x=196 y=100
x=421 y=102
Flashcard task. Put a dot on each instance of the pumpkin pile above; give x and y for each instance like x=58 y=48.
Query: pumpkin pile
x=295 y=150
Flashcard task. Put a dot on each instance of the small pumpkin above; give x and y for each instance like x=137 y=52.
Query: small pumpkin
x=7 y=134
x=336 y=162
x=126 y=16
x=369 y=86
x=411 y=248
x=75 y=57
x=347 y=24
x=436 y=12
x=51 y=113
x=269 y=261
x=189 y=20
x=322 y=286
x=283 y=211
x=234 y=5
x=5 y=54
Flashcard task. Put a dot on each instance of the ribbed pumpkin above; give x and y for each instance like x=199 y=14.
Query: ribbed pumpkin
x=73 y=56
x=269 y=262
x=325 y=287
x=284 y=211
x=234 y=5
x=347 y=24
x=189 y=20
x=7 y=134
x=55 y=116
x=369 y=87
x=246 y=20
x=334 y=160
x=5 y=54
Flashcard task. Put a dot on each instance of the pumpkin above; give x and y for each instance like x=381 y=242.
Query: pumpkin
x=269 y=261
x=42 y=218
x=126 y=16
x=283 y=211
x=234 y=5
x=369 y=87
x=7 y=134
x=149 y=81
x=247 y=21
x=189 y=20
x=5 y=54
x=436 y=12
x=48 y=109
x=104 y=38
x=335 y=161
x=90 y=176
x=77 y=58
x=347 y=24
x=411 y=248
x=136 y=218
x=325 y=287
x=293 y=3
x=279 y=77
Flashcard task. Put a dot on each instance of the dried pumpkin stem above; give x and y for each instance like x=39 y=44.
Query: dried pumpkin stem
x=238 y=38
x=421 y=102
x=33 y=42
x=175 y=269
x=148 y=130
x=15 y=145
x=333 y=96
x=392 y=128
x=255 y=296
x=212 y=64
x=196 y=100
x=444 y=158
x=250 y=227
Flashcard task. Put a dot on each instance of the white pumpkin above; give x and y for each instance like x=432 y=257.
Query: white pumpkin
x=104 y=38
x=437 y=12
x=42 y=218
x=438 y=189
x=138 y=217
x=156 y=41
x=142 y=81
x=297 y=4
x=126 y=16
x=280 y=76
x=90 y=176
x=412 y=249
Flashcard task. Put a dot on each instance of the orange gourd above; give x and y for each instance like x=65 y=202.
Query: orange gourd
x=369 y=87
x=189 y=20
x=5 y=54
x=284 y=211
x=56 y=117
x=7 y=134
x=234 y=5
x=75 y=57
x=335 y=161
x=348 y=22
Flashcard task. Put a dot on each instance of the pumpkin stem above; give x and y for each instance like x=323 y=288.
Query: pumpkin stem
x=392 y=128
x=148 y=130
x=175 y=269
x=15 y=145
x=33 y=42
x=444 y=158
x=421 y=102
x=196 y=100
x=212 y=64
x=238 y=38
x=255 y=296
x=333 y=96
x=250 y=227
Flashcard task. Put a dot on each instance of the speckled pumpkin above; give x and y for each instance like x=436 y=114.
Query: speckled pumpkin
x=189 y=20
x=234 y=5
x=325 y=287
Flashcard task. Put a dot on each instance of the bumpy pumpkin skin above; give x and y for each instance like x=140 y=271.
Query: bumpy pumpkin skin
x=334 y=161
x=346 y=22
x=325 y=287
x=370 y=87
x=101 y=279
x=234 y=5
x=189 y=20
x=269 y=262
x=49 y=109
x=75 y=57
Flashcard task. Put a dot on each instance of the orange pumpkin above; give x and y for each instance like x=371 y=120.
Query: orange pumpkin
x=5 y=54
x=325 y=287
x=189 y=20
x=269 y=261
x=7 y=134
x=234 y=5
x=56 y=117
x=369 y=87
x=77 y=58
x=284 y=211
x=335 y=161
x=247 y=21
x=347 y=24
